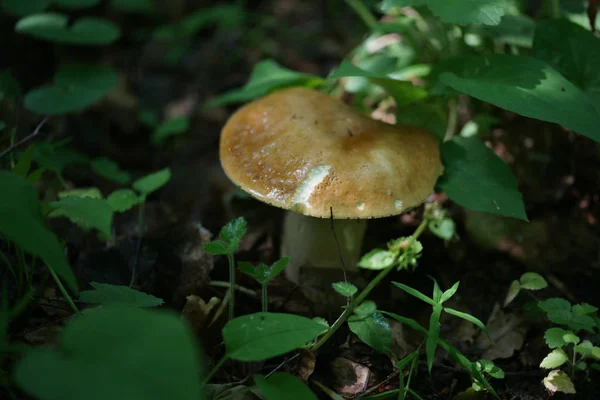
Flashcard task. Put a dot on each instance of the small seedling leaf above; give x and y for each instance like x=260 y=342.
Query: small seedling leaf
x=152 y=182
x=377 y=259
x=571 y=338
x=558 y=381
x=91 y=192
x=585 y=348
x=260 y=336
x=533 y=281
x=278 y=267
x=513 y=291
x=554 y=337
x=555 y=359
x=444 y=229
x=86 y=212
x=282 y=385
x=216 y=247
x=110 y=170
x=449 y=293
x=115 y=294
x=415 y=293
x=374 y=330
x=468 y=317
x=433 y=335
x=345 y=289
x=171 y=127
x=230 y=237
x=365 y=308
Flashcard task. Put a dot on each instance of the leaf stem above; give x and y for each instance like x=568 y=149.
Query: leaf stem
x=365 y=292
x=232 y=286
x=63 y=290
x=364 y=13
x=215 y=369
x=264 y=297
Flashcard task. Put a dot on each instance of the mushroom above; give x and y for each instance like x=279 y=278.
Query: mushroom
x=309 y=153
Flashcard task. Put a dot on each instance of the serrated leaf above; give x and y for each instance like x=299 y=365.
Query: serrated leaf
x=557 y=310
x=91 y=192
x=122 y=200
x=216 y=248
x=430 y=117
x=554 y=337
x=555 y=359
x=526 y=86
x=171 y=127
x=415 y=293
x=488 y=12
x=558 y=381
x=585 y=348
x=55 y=27
x=230 y=236
x=433 y=334
x=152 y=182
x=282 y=385
x=56 y=156
x=377 y=259
x=278 y=267
x=110 y=170
x=122 y=295
x=260 y=336
x=85 y=212
x=374 y=330
x=477 y=179
x=584 y=309
x=344 y=288
x=513 y=291
x=116 y=352
x=533 y=281
x=468 y=317
x=267 y=76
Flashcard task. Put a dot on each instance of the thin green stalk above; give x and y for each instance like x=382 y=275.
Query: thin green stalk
x=239 y=288
x=232 y=286
x=215 y=369
x=365 y=292
x=555 y=8
x=264 y=297
x=63 y=290
x=452 y=120
x=364 y=13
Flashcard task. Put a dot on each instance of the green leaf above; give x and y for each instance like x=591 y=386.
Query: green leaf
x=21 y=8
x=55 y=27
x=449 y=293
x=266 y=77
x=463 y=12
x=571 y=338
x=133 y=6
x=75 y=87
x=377 y=259
x=152 y=182
x=407 y=360
x=365 y=308
x=281 y=385
x=584 y=309
x=23 y=165
x=415 y=293
x=85 y=212
x=231 y=235
x=585 y=348
x=444 y=228
x=374 y=330
x=74 y=4
x=21 y=222
x=573 y=51
x=56 y=156
x=513 y=291
x=557 y=310
x=122 y=200
x=430 y=117
x=554 y=337
x=533 y=281
x=403 y=92
x=278 y=267
x=555 y=359
x=115 y=353
x=171 y=127
x=558 y=381
x=344 y=288
x=112 y=294
x=92 y=192
x=260 y=336
x=467 y=317
x=528 y=87
x=516 y=30
x=433 y=334
x=477 y=179
x=406 y=321
x=110 y=170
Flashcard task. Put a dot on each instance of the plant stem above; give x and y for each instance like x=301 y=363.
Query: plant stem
x=232 y=286
x=25 y=139
x=555 y=8
x=363 y=12
x=239 y=288
x=264 y=297
x=63 y=290
x=452 y=120
x=365 y=292
x=215 y=369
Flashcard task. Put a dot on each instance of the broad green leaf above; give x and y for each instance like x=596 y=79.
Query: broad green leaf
x=55 y=27
x=56 y=156
x=555 y=359
x=377 y=259
x=152 y=182
x=110 y=170
x=75 y=87
x=171 y=127
x=477 y=179
x=573 y=51
x=488 y=12
x=123 y=199
x=403 y=92
x=415 y=293
x=554 y=337
x=444 y=228
x=449 y=293
x=282 y=385
x=433 y=334
x=230 y=237
x=266 y=77
x=116 y=353
x=21 y=8
x=77 y=3
x=365 y=308
x=558 y=381
x=513 y=291
x=533 y=281
x=21 y=222
x=584 y=309
x=585 y=348
x=85 y=212
x=122 y=295
x=430 y=117
x=467 y=317
x=344 y=288
x=374 y=330
x=516 y=30
x=571 y=338
x=528 y=87
x=260 y=336
x=557 y=310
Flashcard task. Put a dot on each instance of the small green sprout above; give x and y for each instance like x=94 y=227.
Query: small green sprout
x=263 y=274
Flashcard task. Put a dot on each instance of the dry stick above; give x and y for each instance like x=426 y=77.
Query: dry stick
x=25 y=139
x=359 y=299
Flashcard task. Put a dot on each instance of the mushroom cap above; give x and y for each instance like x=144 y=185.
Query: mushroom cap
x=302 y=150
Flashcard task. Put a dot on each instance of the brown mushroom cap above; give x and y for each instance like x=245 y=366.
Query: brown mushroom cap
x=302 y=150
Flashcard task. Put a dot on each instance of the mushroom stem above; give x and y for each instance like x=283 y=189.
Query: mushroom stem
x=311 y=243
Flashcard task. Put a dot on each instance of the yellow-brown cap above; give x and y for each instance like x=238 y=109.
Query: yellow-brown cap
x=302 y=150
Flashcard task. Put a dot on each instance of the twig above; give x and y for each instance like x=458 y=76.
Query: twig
x=26 y=138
